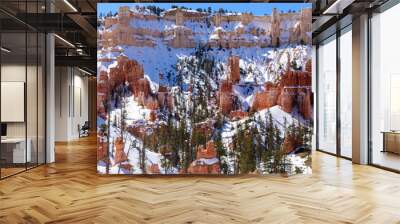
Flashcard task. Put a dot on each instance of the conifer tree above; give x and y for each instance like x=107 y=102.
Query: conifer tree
x=219 y=122
x=237 y=148
x=247 y=159
x=258 y=142
x=221 y=153
x=142 y=156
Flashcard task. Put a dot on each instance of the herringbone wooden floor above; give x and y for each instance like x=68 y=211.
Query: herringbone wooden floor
x=70 y=191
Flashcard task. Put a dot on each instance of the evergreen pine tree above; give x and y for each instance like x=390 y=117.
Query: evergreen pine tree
x=142 y=156
x=221 y=153
x=247 y=159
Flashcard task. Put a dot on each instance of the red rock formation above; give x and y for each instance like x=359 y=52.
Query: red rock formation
x=101 y=109
x=117 y=74
x=102 y=91
x=153 y=169
x=138 y=131
x=225 y=86
x=180 y=37
x=199 y=168
x=296 y=79
x=263 y=100
x=134 y=72
x=170 y=102
x=305 y=26
x=103 y=77
x=144 y=87
x=101 y=149
x=109 y=21
x=238 y=114
x=179 y=17
x=293 y=89
x=153 y=115
x=206 y=153
x=298 y=33
x=104 y=59
x=266 y=99
x=268 y=86
x=289 y=78
x=225 y=96
x=309 y=66
x=123 y=15
x=122 y=59
x=116 y=77
x=204 y=128
x=275 y=30
x=304 y=79
x=234 y=75
x=142 y=93
x=217 y=19
x=305 y=107
x=126 y=166
x=162 y=98
x=289 y=144
x=246 y=18
x=259 y=101
x=225 y=102
x=162 y=89
x=150 y=103
x=119 y=150
x=165 y=150
x=297 y=83
x=126 y=35
x=126 y=71
x=286 y=101
x=129 y=71
x=201 y=165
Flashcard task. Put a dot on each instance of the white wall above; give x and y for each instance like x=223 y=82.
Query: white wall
x=61 y=103
x=81 y=102
x=11 y=73
x=71 y=102
x=33 y=127
x=16 y=73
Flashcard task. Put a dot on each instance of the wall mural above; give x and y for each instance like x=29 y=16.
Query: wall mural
x=193 y=88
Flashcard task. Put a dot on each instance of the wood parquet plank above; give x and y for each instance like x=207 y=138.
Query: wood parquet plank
x=70 y=191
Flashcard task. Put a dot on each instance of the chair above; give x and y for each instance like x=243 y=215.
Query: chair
x=84 y=130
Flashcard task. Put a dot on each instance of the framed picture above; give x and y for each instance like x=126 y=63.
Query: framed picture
x=204 y=88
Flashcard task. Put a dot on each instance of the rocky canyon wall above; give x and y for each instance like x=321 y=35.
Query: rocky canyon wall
x=251 y=30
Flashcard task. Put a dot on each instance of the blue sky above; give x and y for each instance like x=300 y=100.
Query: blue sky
x=255 y=8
